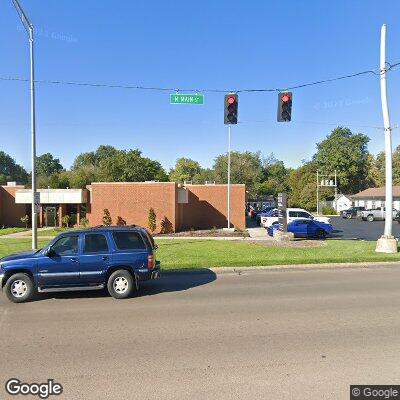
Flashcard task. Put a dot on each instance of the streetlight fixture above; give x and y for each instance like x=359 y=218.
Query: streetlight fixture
x=29 y=29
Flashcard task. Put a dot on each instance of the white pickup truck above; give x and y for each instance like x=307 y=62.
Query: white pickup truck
x=292 y=215
x=376 y=214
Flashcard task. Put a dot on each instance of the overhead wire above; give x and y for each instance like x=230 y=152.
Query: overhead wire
x=197 y=90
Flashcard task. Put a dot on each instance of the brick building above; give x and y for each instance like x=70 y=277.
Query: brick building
x=177 y=207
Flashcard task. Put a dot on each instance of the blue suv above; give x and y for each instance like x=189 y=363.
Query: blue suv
x=116 y=257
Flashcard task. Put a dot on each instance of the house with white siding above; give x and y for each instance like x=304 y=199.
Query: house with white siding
x=373 y=198
x=342 y=202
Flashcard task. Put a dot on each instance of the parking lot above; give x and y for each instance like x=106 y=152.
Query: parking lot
x=359 y=229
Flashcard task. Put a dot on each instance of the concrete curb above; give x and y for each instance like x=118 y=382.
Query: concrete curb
x=287 y=267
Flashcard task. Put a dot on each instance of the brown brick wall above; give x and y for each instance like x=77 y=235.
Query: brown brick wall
x=10 y=213
x=132 y=201
x=207 y=207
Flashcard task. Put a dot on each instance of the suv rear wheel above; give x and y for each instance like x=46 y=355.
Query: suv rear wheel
x=19 y=288
x=121 y=284
x=370 y=218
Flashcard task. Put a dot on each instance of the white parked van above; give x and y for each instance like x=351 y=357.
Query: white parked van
x=292 y=215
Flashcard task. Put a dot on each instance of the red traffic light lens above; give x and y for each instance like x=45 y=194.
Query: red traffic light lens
x=231 y=100
x=285 y=98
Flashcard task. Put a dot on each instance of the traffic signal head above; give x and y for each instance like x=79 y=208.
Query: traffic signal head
x=285 y=106
x=231 y=109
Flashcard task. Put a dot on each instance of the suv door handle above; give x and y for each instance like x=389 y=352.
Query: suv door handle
x=105 y=258
x=74 y=260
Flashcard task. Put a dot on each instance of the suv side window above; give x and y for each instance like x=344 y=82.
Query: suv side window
x=292 y=214
x=128 y=241
x=303 y=214
x=95 y=243
x=66 y=246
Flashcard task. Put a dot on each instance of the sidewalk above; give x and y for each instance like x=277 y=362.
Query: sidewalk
x=25 y=234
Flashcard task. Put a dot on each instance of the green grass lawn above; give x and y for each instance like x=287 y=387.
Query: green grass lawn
x=52 y=231
x=220 y=253
x=198 y=254
x=7 y=231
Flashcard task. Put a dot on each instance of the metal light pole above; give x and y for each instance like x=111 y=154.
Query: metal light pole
x=29 y=29
x=387 y=243
x=317 y=193
x=229 y=176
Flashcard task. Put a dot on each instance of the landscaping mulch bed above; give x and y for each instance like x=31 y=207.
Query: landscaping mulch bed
x=206 y=233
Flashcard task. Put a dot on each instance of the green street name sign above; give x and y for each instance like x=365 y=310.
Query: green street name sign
x=187 y=99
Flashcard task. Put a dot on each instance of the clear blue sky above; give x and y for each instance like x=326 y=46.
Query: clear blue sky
x=195 y=44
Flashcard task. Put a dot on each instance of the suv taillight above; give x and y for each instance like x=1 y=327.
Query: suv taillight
x=151 y=262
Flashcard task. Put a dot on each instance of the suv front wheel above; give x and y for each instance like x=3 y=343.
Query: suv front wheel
x=121 y=284
x=19 y=288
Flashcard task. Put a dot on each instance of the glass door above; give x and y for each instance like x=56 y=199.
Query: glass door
x=51 y=216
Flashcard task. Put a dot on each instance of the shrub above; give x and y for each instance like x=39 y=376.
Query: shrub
x=25 y=220
x=66 y=220
x=120 y=221
x=84 y=222
x=166 y=226
x=107 y=221
x=73 y=219
x=152 y=221
x=328 y=211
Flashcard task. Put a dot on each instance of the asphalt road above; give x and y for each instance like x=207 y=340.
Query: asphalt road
x=359 y=229
x=258 y=335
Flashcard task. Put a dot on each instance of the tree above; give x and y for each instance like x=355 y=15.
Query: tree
x=25 y=220
x=82 y=176
x=11 y=171
x=107 y=221
x=303 y=187
x=185 y=170
x=347 y=153
x=130 y=166
x=93 y=158
x=380 y=167
x=275 y=178
x=152 y=220
x=246 y=168
x=47 y=165
x=205 y=175
x=375 y=176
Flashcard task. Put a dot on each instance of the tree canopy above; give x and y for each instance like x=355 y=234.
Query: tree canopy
x=347 y=153
x=341 y=150
x=185 y=170
x=11 y=171
x=246 y=167
x=46 y=164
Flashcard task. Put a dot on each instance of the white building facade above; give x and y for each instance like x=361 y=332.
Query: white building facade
x=374 y=198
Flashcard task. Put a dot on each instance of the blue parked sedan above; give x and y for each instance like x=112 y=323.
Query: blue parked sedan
x=305 y=228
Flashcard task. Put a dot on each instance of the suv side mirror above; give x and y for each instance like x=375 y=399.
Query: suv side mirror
x=49 y=252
